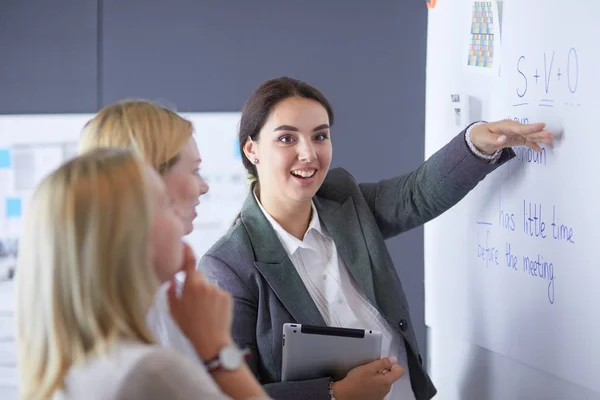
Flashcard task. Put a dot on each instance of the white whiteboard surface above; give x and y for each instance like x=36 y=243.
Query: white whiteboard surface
x=464 y=371
x=546 y=315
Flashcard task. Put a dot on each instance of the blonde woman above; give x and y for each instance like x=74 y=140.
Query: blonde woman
x=100 y=236
x=163 y=139
x=159 y=136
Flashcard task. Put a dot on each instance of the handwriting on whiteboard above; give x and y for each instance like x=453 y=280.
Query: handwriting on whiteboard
x=534 y=220
x=550 y=79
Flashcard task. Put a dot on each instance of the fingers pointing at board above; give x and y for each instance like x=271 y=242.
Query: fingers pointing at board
x=494 y=136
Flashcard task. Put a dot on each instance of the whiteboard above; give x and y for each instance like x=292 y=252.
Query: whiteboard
x=512 y=267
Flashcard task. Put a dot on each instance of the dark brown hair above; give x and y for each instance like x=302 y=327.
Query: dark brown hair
x=260 y=104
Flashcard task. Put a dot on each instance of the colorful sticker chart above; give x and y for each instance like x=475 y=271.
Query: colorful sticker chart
x=481 y=47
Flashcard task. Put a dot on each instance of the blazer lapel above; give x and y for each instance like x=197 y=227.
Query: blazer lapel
x=276 y=267
x=342 y=224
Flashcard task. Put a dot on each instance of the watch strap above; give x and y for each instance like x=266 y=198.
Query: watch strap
x=216 y=364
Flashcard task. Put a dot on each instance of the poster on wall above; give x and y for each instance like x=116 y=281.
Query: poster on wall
x=483 y=38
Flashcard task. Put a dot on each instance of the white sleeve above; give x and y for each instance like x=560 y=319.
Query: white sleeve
x=165 y=329
x=163 y=374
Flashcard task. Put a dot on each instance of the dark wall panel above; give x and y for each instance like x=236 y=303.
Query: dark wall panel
x=48 y=56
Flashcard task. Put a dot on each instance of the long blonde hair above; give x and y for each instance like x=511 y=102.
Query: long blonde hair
x=85 y=277
x=156 y=133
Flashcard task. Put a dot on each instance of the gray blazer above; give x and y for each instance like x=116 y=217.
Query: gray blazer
x=250 y=262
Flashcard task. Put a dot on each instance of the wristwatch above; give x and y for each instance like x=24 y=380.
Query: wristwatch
x=230 y=358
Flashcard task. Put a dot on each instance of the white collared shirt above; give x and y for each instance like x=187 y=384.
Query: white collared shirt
x=341 y=302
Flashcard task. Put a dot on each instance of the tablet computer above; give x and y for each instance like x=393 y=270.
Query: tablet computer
x=311 y=352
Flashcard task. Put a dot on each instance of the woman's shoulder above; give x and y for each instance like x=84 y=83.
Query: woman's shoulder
x=102 y=373
x=233 y=246
x=338 y=185
x=339 y=175
x=156 y=359
x=162 y=373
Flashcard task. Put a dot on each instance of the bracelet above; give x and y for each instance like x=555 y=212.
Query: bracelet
x=331 y=396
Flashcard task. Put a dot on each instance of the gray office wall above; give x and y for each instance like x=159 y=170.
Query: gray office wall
x=367 y=57
x=48 y=59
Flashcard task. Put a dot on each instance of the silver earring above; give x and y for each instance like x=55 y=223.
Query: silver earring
x=255 y=161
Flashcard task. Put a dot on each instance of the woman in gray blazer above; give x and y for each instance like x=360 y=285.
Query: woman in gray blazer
x=309 y=244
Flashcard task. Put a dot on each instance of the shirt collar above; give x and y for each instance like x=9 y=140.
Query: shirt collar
x=289 y=241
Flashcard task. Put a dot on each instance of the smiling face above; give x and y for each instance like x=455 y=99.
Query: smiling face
x=293 y=150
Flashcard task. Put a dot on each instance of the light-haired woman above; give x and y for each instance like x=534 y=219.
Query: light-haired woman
x=159 y=136
x=100 y=236
x=164 y=140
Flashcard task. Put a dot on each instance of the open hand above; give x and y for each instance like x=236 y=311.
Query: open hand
x=494 y=136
